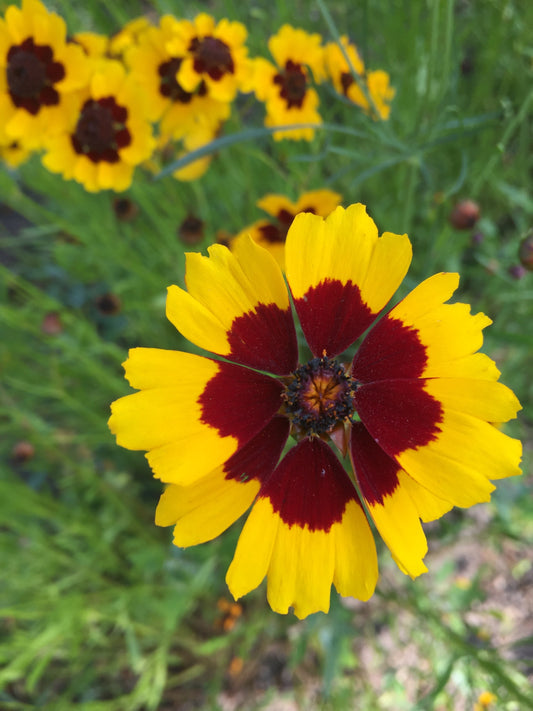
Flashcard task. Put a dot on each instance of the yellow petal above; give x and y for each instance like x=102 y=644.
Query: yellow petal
x=457 y=465
x=301 y=570
x=356 y=563
x=254 y=550
x=237 y=306
x=398 y=523
x=485 y=399
x=429 y=506
x=206 y=508
x=346 y=247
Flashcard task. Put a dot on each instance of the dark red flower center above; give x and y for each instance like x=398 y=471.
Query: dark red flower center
x=101 y=130
x=211 y=56
x=318 y=396
x=31 y=74
x=293 y=83
x=169 y=86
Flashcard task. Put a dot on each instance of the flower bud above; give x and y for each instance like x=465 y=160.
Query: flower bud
x=22 y=451
x=517 y=271
x=51 y=324
x=464 y=215
x=191 y=230
x=125 y=209
x=108 y=304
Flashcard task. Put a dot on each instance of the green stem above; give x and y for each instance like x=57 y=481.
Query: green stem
x=502 y=145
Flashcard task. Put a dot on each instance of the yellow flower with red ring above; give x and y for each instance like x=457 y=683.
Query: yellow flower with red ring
x=271 y=234
x=156 y=69
x=107 y=132
x=412 y=409
x=214 y=54
x=285 y=87
x=38 y=69
x=341 y=72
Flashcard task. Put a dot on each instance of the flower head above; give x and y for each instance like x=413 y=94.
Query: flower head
x=214 y=55
x=107 y=133
x=38 y=69
x=412 y=410
x=156 y=69
x=271 y=234
x=285 y=87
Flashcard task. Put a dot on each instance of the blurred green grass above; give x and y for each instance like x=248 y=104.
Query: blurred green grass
x=97 y=610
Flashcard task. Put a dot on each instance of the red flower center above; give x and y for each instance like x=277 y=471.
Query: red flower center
x=212 y=57
x=169 y=86
x=318 y=396
x=293 y=83
x=31 y=74
x=101 y=130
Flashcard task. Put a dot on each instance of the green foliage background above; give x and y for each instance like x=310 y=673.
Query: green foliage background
x=97 y=610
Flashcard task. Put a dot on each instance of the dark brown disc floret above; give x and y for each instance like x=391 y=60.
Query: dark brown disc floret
x=212 y=56
x=31 y=75
x=101 y=130
x=293 y=83
x=318 y=396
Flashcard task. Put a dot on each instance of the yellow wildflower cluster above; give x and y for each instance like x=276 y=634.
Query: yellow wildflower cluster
x=95 y=107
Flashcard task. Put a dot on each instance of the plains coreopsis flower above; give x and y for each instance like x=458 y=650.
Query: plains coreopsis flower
x=271 y=233
x=214 y=54
x=38 y=69
x=155 y=68
x=413 y=410
x=286 y=87
x=107 y=133
x=341 y=71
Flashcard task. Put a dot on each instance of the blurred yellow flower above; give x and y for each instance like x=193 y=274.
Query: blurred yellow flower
x=285 y=87
x=107 y=132
x=38 y=69
x=155 y=68
x=214 y=55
